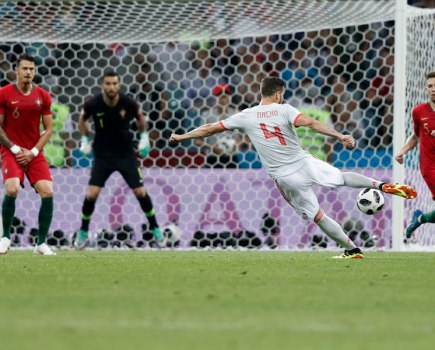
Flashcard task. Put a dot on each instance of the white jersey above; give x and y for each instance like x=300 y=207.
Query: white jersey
x=270 y=128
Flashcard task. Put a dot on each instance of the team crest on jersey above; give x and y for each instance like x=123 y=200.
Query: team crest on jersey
x=122 y=113
x=38 y=102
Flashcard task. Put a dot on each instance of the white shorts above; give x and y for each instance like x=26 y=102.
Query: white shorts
x=297 y=189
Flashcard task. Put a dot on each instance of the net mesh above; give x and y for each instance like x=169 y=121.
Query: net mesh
x=188 y=63
x=158 y=21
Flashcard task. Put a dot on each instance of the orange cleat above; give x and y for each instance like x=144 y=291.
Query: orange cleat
x=400 y=190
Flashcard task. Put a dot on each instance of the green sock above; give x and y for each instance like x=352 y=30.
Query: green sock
x=428 y=217
x=8 y=211
x=44 y=218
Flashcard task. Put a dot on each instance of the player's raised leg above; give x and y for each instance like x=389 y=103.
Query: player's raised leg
x=355 y=180
x=297 y=191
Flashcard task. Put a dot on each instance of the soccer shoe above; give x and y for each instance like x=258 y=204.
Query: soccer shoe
x=400 y=190
x=159 y=237
x=43 y=249
x=81 y=240
x=355 y=253
x=5 y=244
x=414 y=224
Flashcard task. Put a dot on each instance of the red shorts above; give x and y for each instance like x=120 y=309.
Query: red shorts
x=36 y=170
x=429 y=178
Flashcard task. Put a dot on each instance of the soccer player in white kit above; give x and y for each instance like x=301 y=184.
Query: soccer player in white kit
x=270 y=126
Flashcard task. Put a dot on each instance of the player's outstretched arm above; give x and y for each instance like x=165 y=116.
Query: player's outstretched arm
x=347 y=140
x=410 y=144
x=200 y=132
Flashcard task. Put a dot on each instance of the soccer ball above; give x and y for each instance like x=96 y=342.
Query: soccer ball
x=173 y=234
x=370 y=201
x=227 y=145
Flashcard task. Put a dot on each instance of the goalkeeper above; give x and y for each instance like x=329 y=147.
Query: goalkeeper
x=113 y=148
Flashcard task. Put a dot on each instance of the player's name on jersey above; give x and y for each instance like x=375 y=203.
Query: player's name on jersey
x=267 y=114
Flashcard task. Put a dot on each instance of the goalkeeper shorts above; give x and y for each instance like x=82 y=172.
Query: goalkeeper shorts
x=128 y=167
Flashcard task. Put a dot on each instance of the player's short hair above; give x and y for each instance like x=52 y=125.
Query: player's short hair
x=24 y=57
x=270 y=85
x=430 y=75
x=111 y=73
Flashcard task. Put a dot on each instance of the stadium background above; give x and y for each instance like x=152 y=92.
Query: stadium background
x=342 y=75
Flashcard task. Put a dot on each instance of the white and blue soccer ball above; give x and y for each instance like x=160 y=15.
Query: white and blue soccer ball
x=173 y=234
x=227 y=144
x=370 y=201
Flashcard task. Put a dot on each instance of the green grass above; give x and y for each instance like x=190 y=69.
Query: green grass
x=216 y=300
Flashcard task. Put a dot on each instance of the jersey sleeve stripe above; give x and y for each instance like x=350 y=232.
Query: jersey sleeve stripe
x=297 y=117
x=222 y=124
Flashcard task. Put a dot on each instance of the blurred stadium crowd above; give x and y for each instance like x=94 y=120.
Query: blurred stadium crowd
x=343 y=76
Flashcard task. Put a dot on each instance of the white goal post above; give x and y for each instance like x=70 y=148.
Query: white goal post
x=340 y=60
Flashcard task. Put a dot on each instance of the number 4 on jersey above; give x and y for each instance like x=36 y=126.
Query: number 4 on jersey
x=277 y=133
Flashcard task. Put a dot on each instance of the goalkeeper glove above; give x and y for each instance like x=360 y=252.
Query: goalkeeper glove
x=85 y=146
x=144 y=144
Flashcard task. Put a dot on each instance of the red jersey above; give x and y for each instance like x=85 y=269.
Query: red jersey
x=424 y=127
x=22 y=114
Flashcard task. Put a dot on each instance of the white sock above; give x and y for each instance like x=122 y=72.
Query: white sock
x=333 y=229
x=360 y=181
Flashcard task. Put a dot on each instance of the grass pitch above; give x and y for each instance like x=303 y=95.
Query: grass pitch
x=216 y=300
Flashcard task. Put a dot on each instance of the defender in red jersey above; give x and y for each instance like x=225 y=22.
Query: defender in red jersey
x=423 y=117
x=22 y=105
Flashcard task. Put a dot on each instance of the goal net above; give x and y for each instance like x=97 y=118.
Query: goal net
x=191 y=62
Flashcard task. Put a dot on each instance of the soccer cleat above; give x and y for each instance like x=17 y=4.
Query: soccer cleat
x=43 y=249
x=355 y=253
x=5 y=244
x=400 y=190
x=81 y=240
x=159 y=237
x=414 y=224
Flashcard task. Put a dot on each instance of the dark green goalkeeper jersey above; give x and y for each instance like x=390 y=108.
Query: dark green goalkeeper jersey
x=113 y=135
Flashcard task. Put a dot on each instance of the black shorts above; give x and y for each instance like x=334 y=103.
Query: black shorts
x=128 y=166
